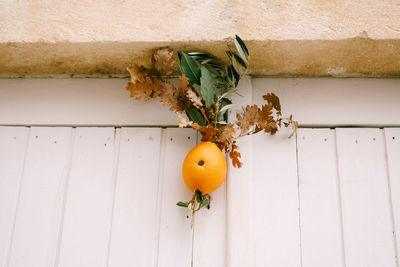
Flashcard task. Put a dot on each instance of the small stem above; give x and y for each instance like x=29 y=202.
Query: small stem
x=204 y=114
x=194 y=196
x=247 y=133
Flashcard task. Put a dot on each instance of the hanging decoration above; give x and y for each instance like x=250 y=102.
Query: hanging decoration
x=202 y=101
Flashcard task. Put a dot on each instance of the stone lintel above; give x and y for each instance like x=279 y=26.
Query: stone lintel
x=353 y=57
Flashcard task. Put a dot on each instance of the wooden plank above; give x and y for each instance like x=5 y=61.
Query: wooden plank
x=95 y=101
x=106 y=102
x=13 y=143
x=175 y=245
x=209 y=244
x=392 y=138
x=87 y=219
x=320 y=214
x=333 y=101
x=41 y=198
x=240 y=245
x=276 y=214
x=134 y=235
x=367 y=224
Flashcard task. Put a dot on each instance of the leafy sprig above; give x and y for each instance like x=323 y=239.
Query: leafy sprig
x=197 y=202
x=204 y=95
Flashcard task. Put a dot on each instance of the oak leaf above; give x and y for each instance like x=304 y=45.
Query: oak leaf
x=163 y=61
x=294 y=125
x=248 y=118
x=235 y=157
x=196 y=100
x=209 y=134
x=182 y=121
x=168 y=97
x=142 y=85
x=228 y=134
x=274 y=101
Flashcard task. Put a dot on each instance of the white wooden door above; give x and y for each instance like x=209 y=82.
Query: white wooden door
x=91 y=196
x=75 y=190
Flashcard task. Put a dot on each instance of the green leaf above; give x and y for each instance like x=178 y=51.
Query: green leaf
x=205 y=61
x=196 y=115
x=207 y=86
x=205 y=201
x=200 y=55
x=179 y=69
x=240 y=60
x=241 y=48
x=225 y=108
x=236 y=65
x=236 y=75
x=190 y=68
x=212 y=69
x=230 y=73
x=228 y=93
x=183 y=204
x=227 y=100
x=199 y=196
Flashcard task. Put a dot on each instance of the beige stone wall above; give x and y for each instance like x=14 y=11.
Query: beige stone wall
x=285 y=37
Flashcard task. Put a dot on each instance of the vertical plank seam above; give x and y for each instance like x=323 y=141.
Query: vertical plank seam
x=227 y=228
x=194 y=226
x=250 y=188
x=298 y=200
x=394 y=234
x=339 y=200
x=65 y=197
x=21 y=179
x=117 y=147
x=159 y=195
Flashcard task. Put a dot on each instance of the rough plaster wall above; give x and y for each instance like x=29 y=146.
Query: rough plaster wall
x=285 y=37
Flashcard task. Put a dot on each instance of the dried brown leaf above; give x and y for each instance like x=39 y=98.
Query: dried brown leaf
x=265 y=116
x=196 y=126
x=235 y=157
x=266 y=120
x=228 y=135
x=294 y=125
x=274 y=101
x=248 y=118
x=183 y=122
x=209 y=134
x=184 y=83
x=142 y=85
x=196 y=100
x=170 y=96
x=164 y=61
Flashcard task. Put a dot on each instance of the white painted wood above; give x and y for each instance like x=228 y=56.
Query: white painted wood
x=209 y=244
x=367 y=223
x=240 y=249
x=276 y=207
x=175 y=244
x=320 y=215
x=13 y=143
x=39 y=213
x=392 y=136
x=335 y=102
x=106 y=102
x=87 y=219
x=134 y=234
x=76 y=102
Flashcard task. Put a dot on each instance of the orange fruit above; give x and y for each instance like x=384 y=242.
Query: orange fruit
x=204 y=168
